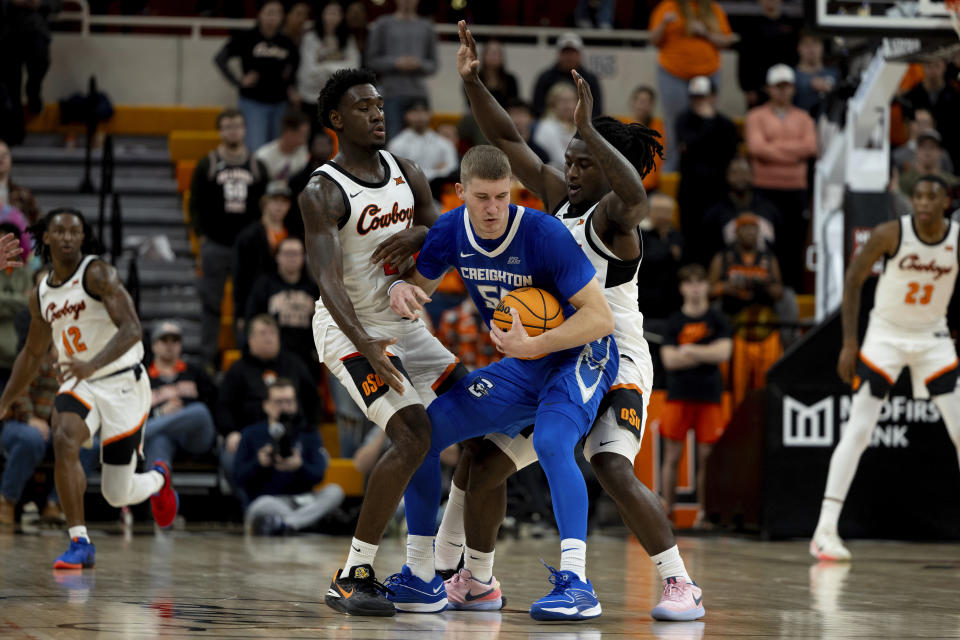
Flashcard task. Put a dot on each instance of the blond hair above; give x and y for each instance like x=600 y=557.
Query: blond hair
x=701 y=10
x=485 y=162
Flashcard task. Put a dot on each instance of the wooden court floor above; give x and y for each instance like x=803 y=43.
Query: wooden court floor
x=221 y=585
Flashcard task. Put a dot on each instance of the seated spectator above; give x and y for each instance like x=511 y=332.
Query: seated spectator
x=781 y=140
x=24 y=439
x=15 y=195
x=243 y=389
x=501 y=84
x=183 y=396
x=257 y=245
x=642 y=102
x=522 y=116
x=662 y=252
x=15 y=286
x=435 y=155
x=295 y=22
x=287 y=155
x=706 y=141
x=765 y=40
x=321 y=149
x=697 y=341
x=556 y=128
x=942 y=100
x=814 y=81
x=279 y=462
x=569 y=57
x=325 y=49
x=719 y=227
x=928 y=160
x=905 y=156
x=289 y=296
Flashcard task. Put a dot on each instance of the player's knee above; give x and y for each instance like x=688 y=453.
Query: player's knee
x=487 y=473
x=613 y=470
x=115 y=496
x=548 y=446
x=410 y=443
x=67 y=439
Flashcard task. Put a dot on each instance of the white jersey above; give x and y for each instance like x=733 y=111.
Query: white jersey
x=916 y=285
x=79 y=322
x=617 y=277
x=374 y=212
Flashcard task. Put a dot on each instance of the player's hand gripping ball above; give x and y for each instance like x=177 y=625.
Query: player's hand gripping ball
x=539 y=311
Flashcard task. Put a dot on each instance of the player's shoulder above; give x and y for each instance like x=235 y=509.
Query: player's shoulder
x=542 y=219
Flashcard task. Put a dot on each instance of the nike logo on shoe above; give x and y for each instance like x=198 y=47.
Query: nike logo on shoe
x=470 y=597
x=346 y=594
x=697 y=600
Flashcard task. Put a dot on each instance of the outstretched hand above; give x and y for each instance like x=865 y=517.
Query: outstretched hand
x=467 y=61
x=583 y=114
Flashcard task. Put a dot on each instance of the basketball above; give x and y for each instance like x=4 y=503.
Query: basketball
x=539 y=310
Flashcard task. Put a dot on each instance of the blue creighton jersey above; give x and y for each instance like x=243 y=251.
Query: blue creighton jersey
x=537 y=250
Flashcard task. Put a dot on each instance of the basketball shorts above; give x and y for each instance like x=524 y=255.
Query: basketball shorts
x=115 y=407
x=428 y=368
x=705 y=418
x=619 y=424
x=886 y=350
x=505 y=396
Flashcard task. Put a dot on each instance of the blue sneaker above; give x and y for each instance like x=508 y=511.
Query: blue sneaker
x=571 y=599
x=80 y=555
x=413 y=595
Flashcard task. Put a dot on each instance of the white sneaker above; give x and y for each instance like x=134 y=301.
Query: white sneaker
x=828 y=546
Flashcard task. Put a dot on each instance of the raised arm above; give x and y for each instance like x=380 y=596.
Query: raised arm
x=322 y=206
x=544 y=181
x=28 y=361
x=883 y=241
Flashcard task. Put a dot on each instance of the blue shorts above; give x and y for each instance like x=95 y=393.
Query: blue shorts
x=506 y=395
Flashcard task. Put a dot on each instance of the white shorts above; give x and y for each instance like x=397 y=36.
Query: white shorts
x=418 y=355
x=886 y=350
x=114 y=407
x=620 y=421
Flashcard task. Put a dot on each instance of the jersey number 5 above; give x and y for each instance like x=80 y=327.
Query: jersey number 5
x=915 y=289
x=78 y=346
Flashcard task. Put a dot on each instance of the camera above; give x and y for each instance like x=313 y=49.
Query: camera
x=283 y=433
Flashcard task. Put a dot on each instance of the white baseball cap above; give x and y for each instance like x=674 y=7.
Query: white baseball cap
x=570 y=40
x=780 y=73
x=700 y=86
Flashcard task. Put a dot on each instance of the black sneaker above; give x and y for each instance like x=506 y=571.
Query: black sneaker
x=359 y=594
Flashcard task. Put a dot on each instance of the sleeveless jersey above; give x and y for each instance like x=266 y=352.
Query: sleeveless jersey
x=374 y=212
x=617 y=277
x=917 y=282
x=79 y=322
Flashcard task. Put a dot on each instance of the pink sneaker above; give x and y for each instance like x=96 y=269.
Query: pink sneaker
x=680 y=601
x=466 y=593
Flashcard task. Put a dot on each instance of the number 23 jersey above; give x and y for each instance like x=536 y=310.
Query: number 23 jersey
x=917 y=282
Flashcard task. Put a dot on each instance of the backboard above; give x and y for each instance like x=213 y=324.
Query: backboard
x=924 y=19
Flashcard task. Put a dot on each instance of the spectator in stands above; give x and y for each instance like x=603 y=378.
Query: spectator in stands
x=765 y=40
x=781 y=140
x=706 y=140
x=662 y=254
x=719 y=223
x=569 y=57
x=24 y=439
x=814 y=81
x=928 y=160
x=326 y=48
x=243 y=390
x=942 y=100
x=697 y=341
x=435 y=155
x=604 y=14
x=15 y=195
x=522 y=116
x=556 y=128
x=905 y=156
x=642 y=102
x=256 y=247
x=24 y=41
x=745 y=274
x=15 y=286
x=288 y=154
x=183 y=396
x=355 y=17
x=280 y=460
x=494 y=75
x=689 y=35
x=224 y=198
x=403 y=51
x=289 y=296
x=268 y=60
x=321 y=149
x=295 y=22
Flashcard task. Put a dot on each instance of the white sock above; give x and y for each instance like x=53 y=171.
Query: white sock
x=670 y=565
x=573 y=557
x=829 y=515
x=79 y=531
x=360 y=553
x=420 y=557
x=479 y=564
x=451 y=537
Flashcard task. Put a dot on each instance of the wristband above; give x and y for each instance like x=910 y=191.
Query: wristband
x=396 y=282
